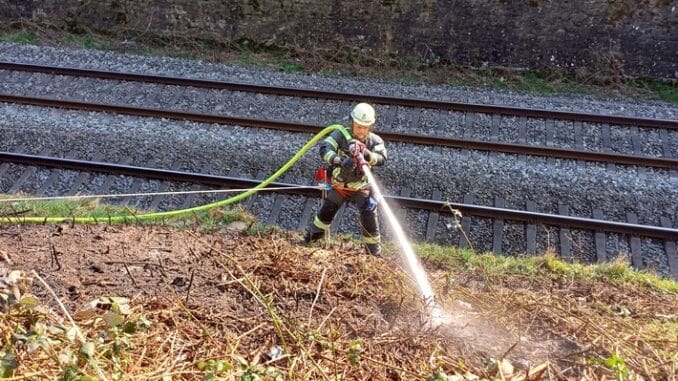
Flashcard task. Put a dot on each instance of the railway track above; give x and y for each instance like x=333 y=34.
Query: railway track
x=298 y=201
x=613 y=139
x=438 y=141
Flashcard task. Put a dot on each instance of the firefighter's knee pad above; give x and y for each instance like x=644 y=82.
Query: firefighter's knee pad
x=367 y=204
x=369 y=211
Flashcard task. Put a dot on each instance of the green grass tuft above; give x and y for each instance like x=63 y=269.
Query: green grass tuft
x=533 y=82
x=290 y=67
x=21 y=38
x=61 y=208
x=491 y=264
x=213 y=219
x=665 y=91
x=88 y=41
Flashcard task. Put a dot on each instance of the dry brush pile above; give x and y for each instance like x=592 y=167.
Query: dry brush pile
x=165 y=303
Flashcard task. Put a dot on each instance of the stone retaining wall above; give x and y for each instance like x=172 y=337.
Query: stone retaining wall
x=634 y=37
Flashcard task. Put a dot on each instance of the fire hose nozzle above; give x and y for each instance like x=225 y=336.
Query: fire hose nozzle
x=357 y=149
x=360 y=162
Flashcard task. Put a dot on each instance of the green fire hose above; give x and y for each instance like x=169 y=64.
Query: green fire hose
x=175 y=213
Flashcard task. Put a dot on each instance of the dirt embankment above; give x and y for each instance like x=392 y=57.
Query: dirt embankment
x=228 y=292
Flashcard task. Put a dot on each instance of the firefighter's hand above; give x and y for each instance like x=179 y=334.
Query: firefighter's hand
x=355 y=147
x=347 y=164
x=367 y=155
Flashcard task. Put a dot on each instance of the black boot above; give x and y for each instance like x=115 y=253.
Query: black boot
x=374 y=249
x=310 y=236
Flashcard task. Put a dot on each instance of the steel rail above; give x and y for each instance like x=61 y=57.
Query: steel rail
x=438 y=206
x=607 y=157
x=144 y=172
x=542 y=218
x=348 y=97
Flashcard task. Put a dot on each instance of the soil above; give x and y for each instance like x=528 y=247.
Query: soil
x=339 y=288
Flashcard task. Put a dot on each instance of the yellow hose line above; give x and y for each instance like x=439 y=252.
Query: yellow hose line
x=176 y=213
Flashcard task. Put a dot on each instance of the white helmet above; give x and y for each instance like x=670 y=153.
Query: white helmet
x=363 y=114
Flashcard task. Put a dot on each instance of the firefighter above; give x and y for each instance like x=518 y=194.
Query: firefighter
x=348 y=180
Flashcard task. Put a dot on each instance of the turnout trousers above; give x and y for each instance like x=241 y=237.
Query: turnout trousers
x=369 y=225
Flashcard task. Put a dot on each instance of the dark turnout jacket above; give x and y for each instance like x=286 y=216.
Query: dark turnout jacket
x=336 y=145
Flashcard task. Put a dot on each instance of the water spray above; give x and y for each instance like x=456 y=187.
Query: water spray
x=411 y=259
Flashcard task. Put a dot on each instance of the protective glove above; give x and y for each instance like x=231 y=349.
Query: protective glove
x=347 y=164
x=367 y=155
x=355 y=147
x=336 y=160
